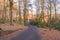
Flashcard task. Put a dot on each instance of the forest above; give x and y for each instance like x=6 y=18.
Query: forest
x=40 y=13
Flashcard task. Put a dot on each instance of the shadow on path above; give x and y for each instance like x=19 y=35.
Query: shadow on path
x=30 y=34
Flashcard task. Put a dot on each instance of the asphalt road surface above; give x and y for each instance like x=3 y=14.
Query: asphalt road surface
x=30 y=34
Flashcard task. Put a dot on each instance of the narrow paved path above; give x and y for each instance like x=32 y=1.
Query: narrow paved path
x=30 y=34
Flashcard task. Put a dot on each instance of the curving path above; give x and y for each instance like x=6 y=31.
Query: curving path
x=30 y=34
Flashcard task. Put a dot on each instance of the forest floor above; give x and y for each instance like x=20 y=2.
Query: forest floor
x=49 y=35
x=8 y=29
x=45 y=33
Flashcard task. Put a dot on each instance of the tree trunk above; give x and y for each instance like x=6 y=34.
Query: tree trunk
x=4 y=11
x=42 y=12
x=50 y=15
x=25 y=3
x=19 y=12
x=11 y=6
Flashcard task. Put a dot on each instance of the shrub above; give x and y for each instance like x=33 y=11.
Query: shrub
x=2 y=21
x=42 y=24
x=38 y=23
x=58 y=28
x=58 y=25
x=33 y=22
x=54 y=24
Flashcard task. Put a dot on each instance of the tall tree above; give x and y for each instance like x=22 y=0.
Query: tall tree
x=19 y=11
x=37 y=4
x=25 y=9
x=55 y=17
x=11 y=7
x=48 y=8
x=42 y=8
x=54 y=3
x=50 y=11
x=5 y=10
x=0 y=9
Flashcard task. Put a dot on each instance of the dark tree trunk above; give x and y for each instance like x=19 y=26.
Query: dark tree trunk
x=11 y=7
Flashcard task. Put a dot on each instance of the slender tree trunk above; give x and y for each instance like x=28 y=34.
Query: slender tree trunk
x=55 y=7
x=55 y=17
x=11 y=20
x=4 y=11
x=11 y=6
x=37 y=9
x=19 y=12
x=16 y=15
x=50 y=15
x=42 y=12
x=25 y=3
